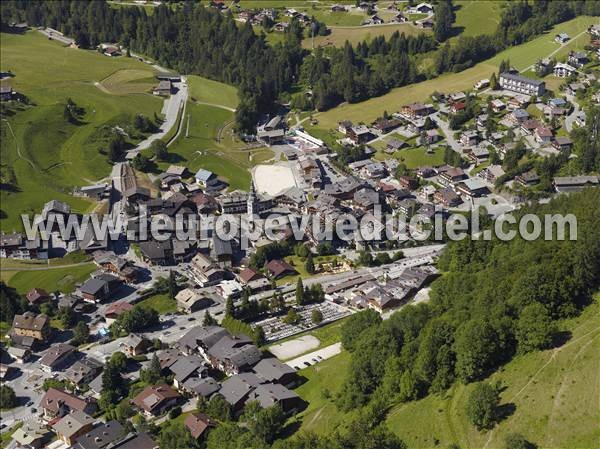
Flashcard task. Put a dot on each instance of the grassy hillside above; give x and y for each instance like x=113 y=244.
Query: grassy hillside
x=51 y=280
x=475 y=17
x=554 y=393
x=521 y=56
x=48 y=156
x=214 y=92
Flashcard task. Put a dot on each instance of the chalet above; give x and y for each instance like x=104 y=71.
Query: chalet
x=573 y=88
x=457 y=107
x=374 y=20
x=277 y=268
x=498 y=105
x=58 y=403
x=269 y=395
x=99 y=288
x=482 y=84
x=415 y=110
x=57 y=357
x=561 y=38
x=135 y=345
x=338 y=8
x=72 y=426
x=237 y=388
x=206 y=179
x=165 y=87
x=198 y=424
x=116 y=309
x=271 y=137
x=82 y=372
x=221 y=252
x=32 y=434
x=344 y=126
x=431 y=136
x=451 y=176
x=104 y=435
x=521 y=84
x=408 y=182
x=205 y=271
x=518 y=116
x=366 y=199
x=156 y=399
x=478 y=155
x=568 y=184
x=17 y=246
x=394 y=145
x=407 y=207
x=529 y=126
x=360 y=134
x=471 y=187
x=564 y=70
x=386 y=125
x=469 y=138
x=31 y=325
x=562 y=143
x=543 y=134
x=157 y=253
x=374 y=170
x=6 y=92
x=37 y=296
x=492 y=173
x=423 y=8
x=190 y=300
x=481 y=120
x=578 y=58
x=95 y=192
x=400 y=18
x=528 y=178
x=425 y=172
x=447 y=197
x=233 y=354
x=186 y=368
x=137 y=194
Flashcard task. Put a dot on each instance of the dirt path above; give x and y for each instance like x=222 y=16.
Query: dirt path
x=214 y=105
x=17 y=145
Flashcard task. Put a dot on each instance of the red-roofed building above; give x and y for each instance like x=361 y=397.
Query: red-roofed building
x=248 y=275
x=114 y=310
x=37 y=296
x=457 y=107
x=278 y=268
x=198 y=424
x=57 y=403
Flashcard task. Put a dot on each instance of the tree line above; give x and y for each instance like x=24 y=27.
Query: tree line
x=495 y=300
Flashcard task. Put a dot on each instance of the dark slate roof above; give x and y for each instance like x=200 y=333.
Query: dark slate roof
x=272 y=369
x=237 y=387
x=101 y=436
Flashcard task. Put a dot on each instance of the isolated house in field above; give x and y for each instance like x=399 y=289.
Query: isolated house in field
x=561 y=38
x=165 y=87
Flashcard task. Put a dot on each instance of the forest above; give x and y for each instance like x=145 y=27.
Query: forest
x=494 y=300
x=194 y=39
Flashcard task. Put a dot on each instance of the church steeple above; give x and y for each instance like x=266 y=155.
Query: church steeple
x=251 y=200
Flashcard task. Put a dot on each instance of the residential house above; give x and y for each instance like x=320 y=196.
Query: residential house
x=498 y=105
x=32 y=434
x=16 y=246
x=136 y=441
x=521 y=84
x=135 y=345
x=116 y=309
x=31 y=325
x=200 y=339
x=71 y=426
x=491 y=173
x=190 y=300
x=518 y=116
x=272 y=370
x=57 y=357
x=568 y=184
x=578 y=58
x=185 y=368
x=102 y=436
x=469 y=137
x=447 y=197
x=472 y=187
x=277 y=268
x=561 y=38
x=200 y=386
x=82 y=372
x=528 y=178
x=37 y=296
x=543 y=134
x=97 y=289
x=416 y=110
x=479 y=154
x=156 y=399
x=344 y=126
x=385 y=126
x=451 y=176
x=237 y=388
x=165 y=87
x=408 y=182
x=562 y=143
x=394 y=145
x=57 y=403
x=198 y=424
x=269 y=395
x=360 y=134
x=457 y=107
x=206 y=179
x=205 y=271
x=233 y=354
x=564 y=70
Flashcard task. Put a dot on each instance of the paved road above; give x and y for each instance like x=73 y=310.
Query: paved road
x=57 y=37
x=170 y=110
x=570 y=119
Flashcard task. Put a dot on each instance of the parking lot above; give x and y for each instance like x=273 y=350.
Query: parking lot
x=275 y=329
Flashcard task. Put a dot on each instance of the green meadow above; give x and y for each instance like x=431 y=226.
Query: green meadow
x=43 y=155
x=51 y=279
x=521 y=56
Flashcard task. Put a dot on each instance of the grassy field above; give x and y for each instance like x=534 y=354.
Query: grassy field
x=475 y=17
x=521 y=56
x=339 y=35
x=46 y=155
x=555 y=393
x=416 y=157
x=161 y=303
x=324 y=381
x=227 y=157
x=209 y=91
x=51 y=280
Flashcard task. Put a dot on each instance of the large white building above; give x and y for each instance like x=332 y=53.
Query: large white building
x=518 y=83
